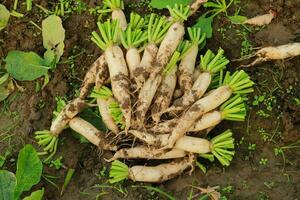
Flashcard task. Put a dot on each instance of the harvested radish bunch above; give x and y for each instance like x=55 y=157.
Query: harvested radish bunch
x=156 y=90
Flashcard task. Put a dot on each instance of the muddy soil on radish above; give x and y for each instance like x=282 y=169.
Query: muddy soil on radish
x=273 y=123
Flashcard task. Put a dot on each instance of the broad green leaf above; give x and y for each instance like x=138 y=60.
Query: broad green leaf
x=29 y=170
x=237 y=19
x=205 y=23
x=25 y=66
x=160 y=4
x=4 y=16
x=37 y=195
x=53 y=35
x=7 y=185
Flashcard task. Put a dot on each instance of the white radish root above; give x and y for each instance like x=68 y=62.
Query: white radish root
x=118 y=14
x=152 y=174
x=91 y=133
x=262 y=19
x=133 y=59
x=69 y=112
x=142 y=152
x=119 y=80
x=196 y=5
x=164 y=95
x=199 y=108
x=276 y=53
x=103 y=105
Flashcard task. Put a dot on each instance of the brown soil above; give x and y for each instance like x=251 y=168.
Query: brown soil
x=30 y=111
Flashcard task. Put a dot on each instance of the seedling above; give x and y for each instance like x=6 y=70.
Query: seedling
x=263 y=161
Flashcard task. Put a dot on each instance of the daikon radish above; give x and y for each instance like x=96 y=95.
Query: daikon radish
x=262 y=19
x=167 y=47
x=239 y=83
x=116 y=8
x=276 y=53
x=188 y=62
x=90 y=77
x=116 y=64
x=91 y=133
x=157 y=29
x=143 y=152
x=220 y=146
x=104 y=96
x=233 y=110
x=131 y=39
x=154 y=174
x=210 y=65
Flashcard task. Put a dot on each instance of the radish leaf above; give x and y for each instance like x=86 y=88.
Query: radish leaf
x=37 y=195
x=29 y=170
x=4 y=16
x=237 y=19
x=159 y=4
x=25 y=66
x=7 y=185
x=53 y=37
x=205 y=23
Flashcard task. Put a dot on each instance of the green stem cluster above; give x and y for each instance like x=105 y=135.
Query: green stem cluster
x=102 y=93
x=179 y=12
x=234 y=109
x=118 y=172
x=157 y=28
x=213 y=63
x=109 y=34
x=48 y=142
x=196 y=37
x=239 y=82
x=222 y=147
x=112 y=5
x=116 y=114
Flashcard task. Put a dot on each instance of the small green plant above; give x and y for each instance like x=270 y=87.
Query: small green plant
x=57 y=164
x=251 y=147
x=29 y=171
x=262 y=113
x=4 y=157
x=296 y=101
x=228 y=189
x=263 y=161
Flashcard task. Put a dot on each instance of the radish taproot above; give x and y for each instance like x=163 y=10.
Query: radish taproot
x=90 y=77
x=188 y=62
x=233 y=110
x=210 y=65
x=167 y=48
x=276 y=53
x=196 y=5
x=91 y=133
x=221 y=146
x=152 y=174
x=239 y=83
x=131 y=39
x=144 y=152
x=116 y=8
x=262 y=19
x=104 y=96
x=164 y=93
x=116 y=65
x=156 y=29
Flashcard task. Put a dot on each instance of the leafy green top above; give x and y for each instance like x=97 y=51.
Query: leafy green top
x=109 y=34
x=179 y=12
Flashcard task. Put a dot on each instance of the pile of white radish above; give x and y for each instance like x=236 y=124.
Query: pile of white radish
x=158 y=92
